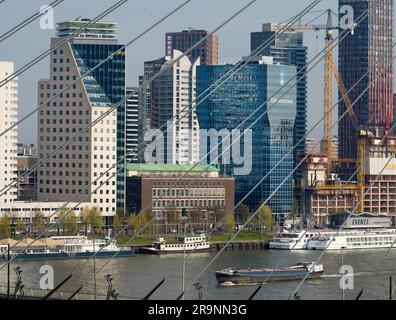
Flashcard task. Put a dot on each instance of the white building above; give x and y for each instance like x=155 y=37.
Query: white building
x=26 y=211
x=132 y=124
x=310 y=145
x=173 y=109
x=8 y=142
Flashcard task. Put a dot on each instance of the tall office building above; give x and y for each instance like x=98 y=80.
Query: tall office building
x=72 y=170
x=367 y=48
x=173 y=110
x=288 y=49
x=8 y=141
x=208 y=51
x=272 y=134
x=132 y=125
x=151 y=68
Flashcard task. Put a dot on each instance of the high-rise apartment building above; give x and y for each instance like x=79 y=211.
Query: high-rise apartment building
x=271 y=135
x=208 y=51
x=173 y=111
x=74 y=172
x=310 y=145
x=288 y=49
x=132 y=125
x=367 y=48
x=8 y=141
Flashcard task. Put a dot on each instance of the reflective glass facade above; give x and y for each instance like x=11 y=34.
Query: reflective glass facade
x=288 y=49
x=105 y=86
x=272 y=135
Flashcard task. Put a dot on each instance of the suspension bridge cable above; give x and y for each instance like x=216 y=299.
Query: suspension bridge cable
x=58 y=44
x=27 y=21
x=224 y=23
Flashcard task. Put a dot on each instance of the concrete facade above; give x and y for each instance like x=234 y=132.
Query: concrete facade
x=8 y=141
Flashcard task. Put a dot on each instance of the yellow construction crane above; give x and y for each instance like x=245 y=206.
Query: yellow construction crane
x=331 y=68
x=328 y=83
x=362 y=138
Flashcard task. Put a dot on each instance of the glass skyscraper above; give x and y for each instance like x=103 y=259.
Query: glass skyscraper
x=272 y=135
x=288 y=49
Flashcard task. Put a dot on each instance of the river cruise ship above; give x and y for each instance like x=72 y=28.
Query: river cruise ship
x=62 y=247
x=353 y=239
x=292 y=240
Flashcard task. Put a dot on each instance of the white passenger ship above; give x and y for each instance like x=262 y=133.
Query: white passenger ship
x=187 y=244
x=62 y=247
x=353 y=239
x=292 y=240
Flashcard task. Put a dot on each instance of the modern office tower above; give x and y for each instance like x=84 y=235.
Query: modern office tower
x=271 y=135
x=288 y=49
x=173 y=111
x=208 y=51
x=77 y=167
x=8 y=141
x=132 y=122
x=367 y=48
x=151 y=68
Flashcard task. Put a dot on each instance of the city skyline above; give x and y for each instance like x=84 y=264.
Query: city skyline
x=153 y=47
x=234 y=144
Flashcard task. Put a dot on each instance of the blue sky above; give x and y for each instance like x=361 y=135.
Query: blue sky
x=135 y=16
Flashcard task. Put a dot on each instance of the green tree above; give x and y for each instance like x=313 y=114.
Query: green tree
x=117 y=223
x=96 y=219
x=146 y=222
x=20 y=226
x=264 y=216
x=135 y=222
x=62 y=216
x=71 y=223
x=229 y=223
x=84 y=218
x=138 y=221
x=242 y=213
x=5 y=227
x=38 y=222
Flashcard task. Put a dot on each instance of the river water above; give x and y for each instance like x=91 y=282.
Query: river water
x=135 y=276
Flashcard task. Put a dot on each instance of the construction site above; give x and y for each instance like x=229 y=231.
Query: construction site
x=365 y=181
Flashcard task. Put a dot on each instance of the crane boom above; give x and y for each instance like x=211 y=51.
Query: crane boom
x=328 y=100
x=331 y=68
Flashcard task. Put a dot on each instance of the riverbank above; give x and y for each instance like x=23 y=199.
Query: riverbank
x=214 y=238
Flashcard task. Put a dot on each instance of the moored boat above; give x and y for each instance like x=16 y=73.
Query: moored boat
x=353 y=239
x=63 y=247
x=249 y=276
x=182 y=244
x=291 y=240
